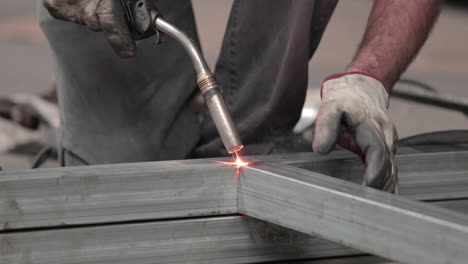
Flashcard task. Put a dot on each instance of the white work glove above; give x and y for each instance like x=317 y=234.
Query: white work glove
x=98 y=15
x=353 y=114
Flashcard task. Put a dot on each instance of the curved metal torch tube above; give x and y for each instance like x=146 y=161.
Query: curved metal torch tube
x=186 y=42
x=208 y=86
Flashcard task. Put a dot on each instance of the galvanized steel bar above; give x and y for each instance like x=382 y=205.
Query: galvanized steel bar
x=345 y=260
x=232 y=239
x=366 y=219
x=178 y=189
x=101 y=194
x=428 y=176
x=113 y=193
x=223 y=240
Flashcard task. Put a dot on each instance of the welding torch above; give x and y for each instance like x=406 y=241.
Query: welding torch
x=144 y=20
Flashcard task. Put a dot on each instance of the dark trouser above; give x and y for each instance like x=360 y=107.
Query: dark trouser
x=130 y=110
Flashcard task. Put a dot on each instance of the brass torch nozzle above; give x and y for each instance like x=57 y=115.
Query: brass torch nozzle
x=208 y=86
x=219 y=112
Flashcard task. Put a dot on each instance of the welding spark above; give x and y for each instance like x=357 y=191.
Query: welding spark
x=238 y=162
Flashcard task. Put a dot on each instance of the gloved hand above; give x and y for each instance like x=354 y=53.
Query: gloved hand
x=353 y=114
x=98 y=15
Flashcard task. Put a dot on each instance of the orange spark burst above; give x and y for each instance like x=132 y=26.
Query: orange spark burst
x=238 y=162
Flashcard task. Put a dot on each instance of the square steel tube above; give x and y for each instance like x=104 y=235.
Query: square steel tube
x=363 y=218
x=223 y=240
x=187 y=188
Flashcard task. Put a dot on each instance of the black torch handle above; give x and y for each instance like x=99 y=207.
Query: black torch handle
x=141 y=17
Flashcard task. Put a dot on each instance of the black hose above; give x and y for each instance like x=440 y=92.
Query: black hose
x=448 y=137
x=43 y=156
x=428 y=95
x=417 y=83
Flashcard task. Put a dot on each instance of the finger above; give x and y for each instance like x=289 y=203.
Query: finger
x=69 y=11
x=391 y=139
x=346 y=141
x=377 y=156
x=327 y=127
x=391 y=136
x=392 y=184
x=53 y=7
x=115 y=28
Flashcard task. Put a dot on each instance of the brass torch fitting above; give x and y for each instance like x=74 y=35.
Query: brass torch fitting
x=205 y=81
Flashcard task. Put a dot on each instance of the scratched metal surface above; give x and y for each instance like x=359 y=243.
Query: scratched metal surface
x=363 y=218
x=347 y=260
x=176 y=189
x=429 y=176
x=148 y=191
x=110 y=193
x=231 y=239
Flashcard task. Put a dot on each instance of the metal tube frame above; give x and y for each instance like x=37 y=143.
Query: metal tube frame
x=366 y=219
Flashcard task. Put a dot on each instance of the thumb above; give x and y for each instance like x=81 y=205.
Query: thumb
x=113 y=23
x=327 y=127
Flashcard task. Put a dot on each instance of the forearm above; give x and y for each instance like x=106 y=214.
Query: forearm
x=395 y=32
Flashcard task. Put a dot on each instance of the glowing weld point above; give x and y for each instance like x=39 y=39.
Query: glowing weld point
x=238 y=162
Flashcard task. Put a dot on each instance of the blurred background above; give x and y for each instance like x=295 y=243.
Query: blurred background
x=26 y=61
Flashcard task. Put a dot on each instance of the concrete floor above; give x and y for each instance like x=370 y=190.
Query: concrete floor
x=26 y=64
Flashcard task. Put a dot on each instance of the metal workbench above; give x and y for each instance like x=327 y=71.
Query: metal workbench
x=189 y=212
